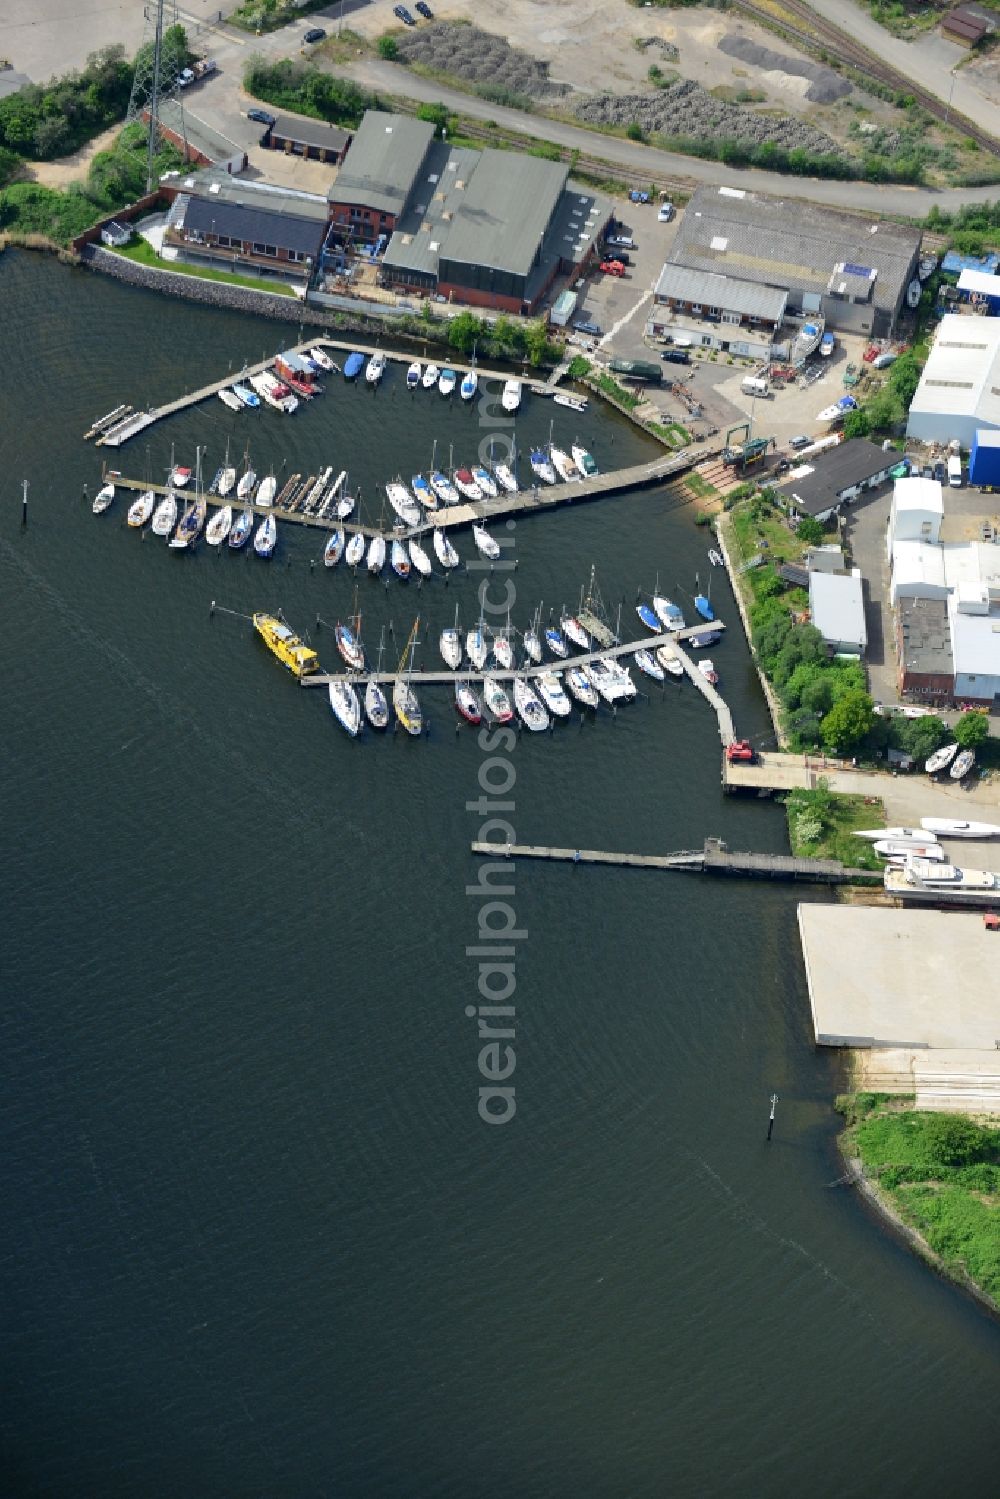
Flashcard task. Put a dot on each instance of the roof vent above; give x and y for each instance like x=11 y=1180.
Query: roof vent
x=215 y=187
x=434 y=245
x=433 y=177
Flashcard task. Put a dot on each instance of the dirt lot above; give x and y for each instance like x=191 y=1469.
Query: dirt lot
x=70 y=168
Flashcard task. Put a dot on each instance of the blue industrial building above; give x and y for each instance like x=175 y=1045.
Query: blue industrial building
x=984 y=459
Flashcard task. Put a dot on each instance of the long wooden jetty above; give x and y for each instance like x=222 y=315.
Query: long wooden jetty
x=714 y=858
x=296 y=517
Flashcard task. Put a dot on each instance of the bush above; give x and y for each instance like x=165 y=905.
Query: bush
x=810 y=531
x=972 y=729
x=387 y=48
x=438 y=116
x=306 y=90
x=42 y=121
x=635 y=131
x=848 y=722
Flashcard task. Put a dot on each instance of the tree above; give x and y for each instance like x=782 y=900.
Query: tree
x=437 y=115
x=848 y=721
x=810 y=531
x=857 y=423
x=953 y=1141
x=972 y=728
x=904 y=377
x=919 y=737
x=884 y=409
x=536 y=341
x=387 y=48
x=464 y=331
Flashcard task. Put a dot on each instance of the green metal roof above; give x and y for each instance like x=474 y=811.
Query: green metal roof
x=382 y=162
x=504 y=212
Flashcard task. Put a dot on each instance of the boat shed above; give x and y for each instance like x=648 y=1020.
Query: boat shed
x=382 y=173
x=837 y=609
x=836 y=476
x=302 y=136
x=981 y=289
x=984 y=459
x=959 y=389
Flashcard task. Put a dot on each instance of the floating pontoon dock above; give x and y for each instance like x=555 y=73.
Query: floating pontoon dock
x=714 y=858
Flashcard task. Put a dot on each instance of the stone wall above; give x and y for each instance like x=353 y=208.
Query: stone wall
x=196 y=288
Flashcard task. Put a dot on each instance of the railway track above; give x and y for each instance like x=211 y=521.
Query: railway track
x=814 y=33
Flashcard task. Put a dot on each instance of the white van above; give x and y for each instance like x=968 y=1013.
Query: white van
x=753 y=386
x=955 y=471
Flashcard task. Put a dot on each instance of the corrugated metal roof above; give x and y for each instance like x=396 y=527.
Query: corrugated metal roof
x=726 y=292
x=310 y=132
x=505 y=211
x=383 y=162
x=256 y=225
x=980 y=282
x=201 y=137
x=962 y=373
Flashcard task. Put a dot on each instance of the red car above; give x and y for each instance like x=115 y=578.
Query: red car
x=612 y=267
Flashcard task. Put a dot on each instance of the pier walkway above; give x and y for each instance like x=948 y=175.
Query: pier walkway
x=714 y=858
x=296 y=517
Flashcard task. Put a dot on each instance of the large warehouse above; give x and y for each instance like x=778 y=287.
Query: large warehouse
x=959 y=390
x=853 y=271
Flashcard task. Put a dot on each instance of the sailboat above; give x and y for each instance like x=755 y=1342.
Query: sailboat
x=467 y=702
x=349 y=643
x=419 y=558
x=504 y=476
x=529 y=708
x=190 y=524
x=322 y=358
x=466 y=485
x=103 y=498
x=266 y=492
x=485 y=543
x=450 y=645
x=424 y=492
x=400 y=561
x=556 y=643
x=581 y=687
x=807 y=340
x=497 y=700
x=703 y=604
x=503 y=651
x=649 y=618
x=355 y=549
x=583 y=460
x=563 y=464
x=574 y=631
x=248 y=479
x=227 y=478
x=219 y=526
x=475 y=645
x=165 y=515
x=542 y=466
x=376 y=704
x=333 y=551
x=443 y=549
x=941 y=759
x=532 y=644
x=141 y=509
x=403 y=503
x=404 y=699
x=469 y=386
x=376 y=555
x=242 y=526
x=345 y=706
x=443 y=488
x=645 y=662
x=266 y=537
x=486 y=481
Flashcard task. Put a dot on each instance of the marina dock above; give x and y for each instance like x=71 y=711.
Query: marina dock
x=296 y=517
x=714 y=858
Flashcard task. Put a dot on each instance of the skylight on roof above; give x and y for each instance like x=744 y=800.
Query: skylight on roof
x=433 y=177
x=435 y=245
x=719 y=242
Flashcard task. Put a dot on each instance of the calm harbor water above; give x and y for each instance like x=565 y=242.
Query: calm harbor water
x=257 y=1239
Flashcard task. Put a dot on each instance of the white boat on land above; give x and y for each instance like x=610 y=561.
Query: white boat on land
x=375 y=368
x=334 y=549
x=807 y=340
x=563 y=465
x=419 y=558
x=226 y=481
x=510 y=398
x=939 y=880
x=927 y=266
x=898 y=835
x=165 y=516
x=906 y=848
x=505 y=477
x=668 y=613
x=245 y=487
x=581 y=687
x=476 y=647
x=583 y=460
x=575 y=403
x=838 y=410
x=941 y=758
x=913 y=293
x=470 y=384
x=346 y=707
x=376 y=705
x=355 y=550
x=242 y=527
x=403 y=503
x=231 y=399
x=950 y=827
x=529 y=706
x=497 y=701
x=266 y=536
x=551 y=691
x=450 y=646
x=376 y=555
x=443 y=549
x=962 y=765
x=323 y=359
x=219 y=526
x=141 y=509
x=646 y=663
x=486 y=481
x=485 y=543
x=266 y=492
x=103 y=498
x=443 y=488
x=669 y=661
x=826 y=345
x=430 y=377
x=447 y=381
x=413 y=375
x=424 y=492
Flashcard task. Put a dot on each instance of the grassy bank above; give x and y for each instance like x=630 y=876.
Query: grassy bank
x=941 y=1174
x=144 y=254
x=822 y=824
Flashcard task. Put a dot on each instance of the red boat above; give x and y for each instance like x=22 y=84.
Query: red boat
x=296 y=382
x=467 y=703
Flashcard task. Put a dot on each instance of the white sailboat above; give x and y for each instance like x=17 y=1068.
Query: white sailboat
x=103 y=498
x=165 y=515
x=355 y=549
x=404 y=699
x=476 y=647
x=322 y=358
x=419 y=558
x=581 y=687
x=529 y=708
x=266 y=491
x=941 y=758
x=346 y=707
x=497 y=701
x=563 y=465
x=403 y=503
x=450 y=645
x=242 y=527
x=141 y=509
x=505 y=477
x=443 y=549
x=219 y=526
x=376 y=555
x=334 y=549
x=485 y=543
x=266 y=536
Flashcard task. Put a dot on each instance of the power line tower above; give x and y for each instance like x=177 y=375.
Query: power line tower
x=158 y=66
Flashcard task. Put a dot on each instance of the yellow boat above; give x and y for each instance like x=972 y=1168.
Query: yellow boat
x=286 y=645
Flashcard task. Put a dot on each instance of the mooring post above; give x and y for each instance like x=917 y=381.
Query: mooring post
x=24 y=503
x=770 y=1122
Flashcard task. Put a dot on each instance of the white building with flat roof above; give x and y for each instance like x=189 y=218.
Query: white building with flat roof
x=837 y=609
x=959 y=388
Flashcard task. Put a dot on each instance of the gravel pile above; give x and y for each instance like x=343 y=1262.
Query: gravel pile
x=825 y=86
x=478 y=57
x=685 y=108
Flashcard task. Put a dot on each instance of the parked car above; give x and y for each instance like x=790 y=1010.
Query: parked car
x=583 y=325
x=940 y=473
x=676 y=356
x=404 y=15
x=636 y=196
x=314 y=34
x=624 y=240
x=612 y=268
x=926 y=472
x=424 y=10
x=802 y=441
x=666 y=213
x=261 y=116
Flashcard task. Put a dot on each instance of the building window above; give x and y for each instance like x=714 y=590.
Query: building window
x=270 y=250
x=225 y=243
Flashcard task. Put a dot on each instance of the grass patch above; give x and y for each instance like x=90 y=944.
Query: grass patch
x=144 y=254
x=699 y=486
x=673 y=433
x=821 y=825
x=942 y=1174
x=756 y=532
x=610 y=387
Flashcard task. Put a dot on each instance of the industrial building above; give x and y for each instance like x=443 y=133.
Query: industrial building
x=836 y=476
x=378 y=176
x=984 y=459
x=837 y=609
x=245 y=225
x=959 y=390
x=853 y=271
x=300 y=136
x=709 y=310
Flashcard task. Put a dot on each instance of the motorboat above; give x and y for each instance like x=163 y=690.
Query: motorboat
x=838 y=410
x=529 y=707
x=913 y=294
x=671 y=665
x=950 y=827
x=413 y=374
x=505 y=477
x=581 y=687
x=447 y=381
x=708 y=671
x=556 y=644
x=542 y=466
x=611 y=679
x=407 y=707
x=266 y=537
x=346 y=707
x=898 y=835
x=927 y=266
x=443 y=549
x=423 y=492
x=231 y=399
x=403 y=503
x=469 y=386
x=179 y=476
x=574 y=632
x=376 y=555
x=563 y=465
x=485 y=543
x=322 y=358
x=165 y=515
x=648 y=664
x=486 y=481
x=552 y=693
x=715 y=557
x=928 y=880
x=375 y=368
x=826 y=345
x=430 y=377
x=275 y=393
x=503 y=652
x=244 y=488
x=227 y=480
x=334 y=549
x=450 y=646
x=600 y=681
x=807 y=340
x=419 y=558
x=510 y=398
x=574 y=403
x=704 y=640
x=963 y=764
x=941 y=759
x=497 y=701
x=141 y=509
x=219 y=526
x=668 y=613
x=466 y=484
x=399 y=560
x=376 y=705
x=266 y=491
x=282 y=641
x=532 y=647
x=906 y=848
x=649 y=619
x=583 y=460
x=443 y=488
x=240 y=533
x=247 y=397
x=353 y=365
x=354 y=551
x=467 y=702
x=476 y=647
x=350 y=647
x=703 y=604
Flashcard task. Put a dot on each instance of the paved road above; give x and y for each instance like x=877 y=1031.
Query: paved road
x=388 y=77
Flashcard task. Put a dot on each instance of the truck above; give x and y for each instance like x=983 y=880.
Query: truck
x=954 y=470
x=754 y=385
x=563 y=309
x=199 y=69
x=637 y=369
